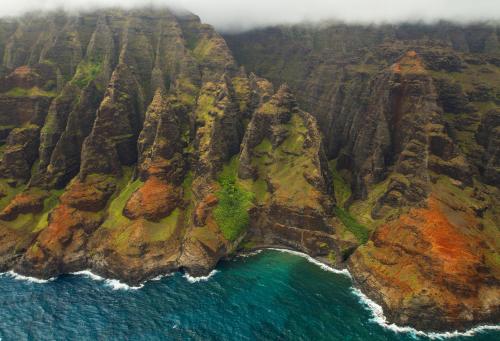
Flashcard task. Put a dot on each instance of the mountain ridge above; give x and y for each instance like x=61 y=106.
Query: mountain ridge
x=139 y=146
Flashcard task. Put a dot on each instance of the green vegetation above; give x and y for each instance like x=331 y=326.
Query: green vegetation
x=48 y=205
x=8 y=192
x=33 y=92
x=361 y=232
x=34 y=222
x=341 y=187
x=231 y=213
x=332 y=258
x=248 y=245
x=242 y=89
x=162 y=230
x=286 y=165
x=204 y=48
x=186 y=91
x=115 y=211
x=187 y=184
x=362 y=209
x=86 y=72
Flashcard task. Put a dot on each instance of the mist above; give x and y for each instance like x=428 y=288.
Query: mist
x=239 y=15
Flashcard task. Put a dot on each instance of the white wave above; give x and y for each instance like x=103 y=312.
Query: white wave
x=378 y=312
x=160 y=277
x=112 y=283
x=30 y=279
x=249 y=254
x=192 y=279
x=310 y=259
x=380 y=318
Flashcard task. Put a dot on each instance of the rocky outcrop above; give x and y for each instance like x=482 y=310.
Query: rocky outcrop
x=132 y=144
x=431 y=267
x=488 y=136
x=408 y=117
x=283 y=162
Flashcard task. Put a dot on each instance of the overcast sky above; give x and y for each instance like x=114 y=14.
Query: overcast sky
x=244 y=14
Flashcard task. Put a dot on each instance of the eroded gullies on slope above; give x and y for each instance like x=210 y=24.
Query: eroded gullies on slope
x=138 y=147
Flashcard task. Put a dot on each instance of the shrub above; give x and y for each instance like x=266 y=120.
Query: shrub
x=231 y=213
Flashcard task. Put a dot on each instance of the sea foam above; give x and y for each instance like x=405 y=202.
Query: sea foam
x=380 y=318
x=192 y=279
x=112 y=283
x=310 y=259
x=30 y=279
x=378 y=313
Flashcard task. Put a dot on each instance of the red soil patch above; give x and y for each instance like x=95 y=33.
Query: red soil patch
x=156 y=199
x=428 y=231
x=409 y=63
x=26 y=202
x=88 y=196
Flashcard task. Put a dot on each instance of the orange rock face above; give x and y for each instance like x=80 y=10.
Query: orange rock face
x=410 y=63
x=25 y=202
x=156 y=199
x=428 y=266
x=91 y=195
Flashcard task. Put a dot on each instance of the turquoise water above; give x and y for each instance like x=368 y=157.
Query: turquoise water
x=269 y=296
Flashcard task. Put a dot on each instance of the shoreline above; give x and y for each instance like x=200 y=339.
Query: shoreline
x=375 y=309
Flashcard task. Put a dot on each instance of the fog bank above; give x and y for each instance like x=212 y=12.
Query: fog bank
x=237 y=15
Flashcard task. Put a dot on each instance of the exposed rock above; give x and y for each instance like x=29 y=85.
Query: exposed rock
x=20 y=153
x=428 y=270
x=488 y=135
x=169 y=156
x=25 y=202
x=153 y=201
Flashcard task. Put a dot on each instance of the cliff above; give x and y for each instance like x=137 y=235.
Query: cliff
x=133 y=144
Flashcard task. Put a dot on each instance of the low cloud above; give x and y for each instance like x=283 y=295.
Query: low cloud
x=246 y=14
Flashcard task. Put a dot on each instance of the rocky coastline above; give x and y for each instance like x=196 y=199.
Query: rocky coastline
x=133 y=143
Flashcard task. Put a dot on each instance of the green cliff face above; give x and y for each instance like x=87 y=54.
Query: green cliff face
x=409 y=116
x=133 y=144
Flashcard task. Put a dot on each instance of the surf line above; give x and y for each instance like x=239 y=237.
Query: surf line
x=378 y=313
x=110 y=282
x=30 y=279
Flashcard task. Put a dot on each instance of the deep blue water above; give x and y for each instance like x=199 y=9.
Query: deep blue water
x=270 y=296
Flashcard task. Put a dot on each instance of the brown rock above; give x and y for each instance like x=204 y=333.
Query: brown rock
x=30 y=201
x=154 y=200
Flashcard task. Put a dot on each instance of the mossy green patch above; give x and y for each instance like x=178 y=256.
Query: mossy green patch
x=243 y=92
x=8 y=192
x=187 y=186
x=86 y=72
x=248 y=245
x=231 y=212
x=332 y=258
x=361 y=232
x=34 y=222
x=115 y=210
x=285 y=166
x=263 y=147
x=203 y=48
x=48 y=205
x=361 y=209
x=32 y=92
x=164 y=229
x=341 y=187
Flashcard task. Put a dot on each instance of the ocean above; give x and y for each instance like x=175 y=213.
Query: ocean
x=271 y=295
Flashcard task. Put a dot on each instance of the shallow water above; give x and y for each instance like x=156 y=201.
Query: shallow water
x=269 y=296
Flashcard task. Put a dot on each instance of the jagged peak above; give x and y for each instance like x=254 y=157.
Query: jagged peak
x=284 y=98
x=159 y=99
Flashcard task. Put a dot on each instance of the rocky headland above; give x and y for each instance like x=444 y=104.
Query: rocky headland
x=141 y=142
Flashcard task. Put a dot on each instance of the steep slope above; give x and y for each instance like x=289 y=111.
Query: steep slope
x=409 y=116
x=132 y=144
x=125 y=159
